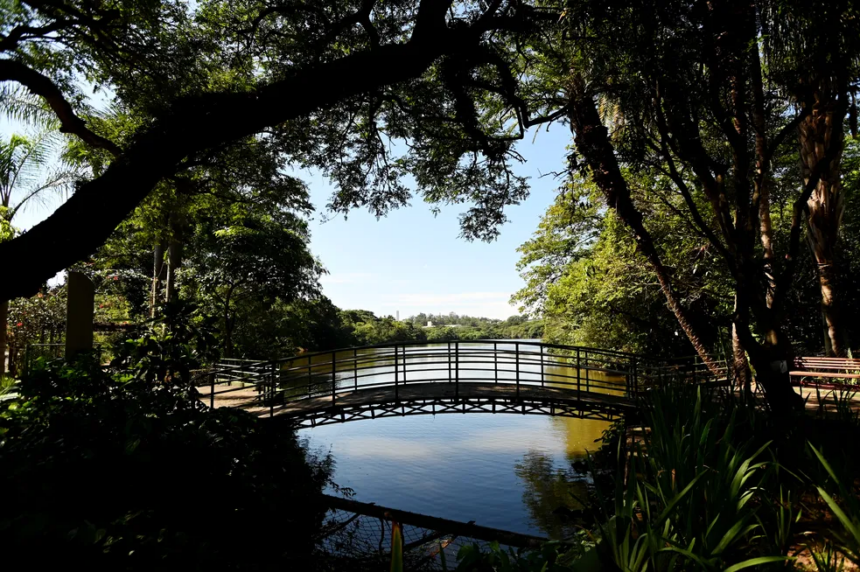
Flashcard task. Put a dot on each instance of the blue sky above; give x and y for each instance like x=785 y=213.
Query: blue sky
x=412 y=261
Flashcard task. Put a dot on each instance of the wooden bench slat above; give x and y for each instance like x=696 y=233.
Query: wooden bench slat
x=828 y=368
x=830 y=363
x=827 y=360
x=823 y=374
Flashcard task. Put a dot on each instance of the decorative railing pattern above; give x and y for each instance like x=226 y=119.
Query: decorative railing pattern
x=278 y=383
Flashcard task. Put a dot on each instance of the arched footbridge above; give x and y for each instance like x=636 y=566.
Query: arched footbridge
x=492 y=376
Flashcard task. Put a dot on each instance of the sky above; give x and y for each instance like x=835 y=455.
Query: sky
x=412 y=261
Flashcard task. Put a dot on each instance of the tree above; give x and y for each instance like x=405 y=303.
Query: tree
x=24 y=179
x=253 y=257
x=585 y=278
x=685 y=103
x=221 y=76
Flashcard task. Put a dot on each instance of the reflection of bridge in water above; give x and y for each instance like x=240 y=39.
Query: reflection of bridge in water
x=488 y=376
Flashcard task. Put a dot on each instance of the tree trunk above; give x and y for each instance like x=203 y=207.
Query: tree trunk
x=826 y=206
x=174 y=252
x=193 y=125
x=174 y=263
x=4 y=328
x=740 y=364
x=771 y=374
x=834 y=333
x=592 y=143
x=157 y=269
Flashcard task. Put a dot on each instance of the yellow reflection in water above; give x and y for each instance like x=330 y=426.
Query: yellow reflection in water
x=581 y=435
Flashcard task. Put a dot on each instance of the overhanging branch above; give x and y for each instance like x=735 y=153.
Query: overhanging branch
x=42 y=86
x=199 y=123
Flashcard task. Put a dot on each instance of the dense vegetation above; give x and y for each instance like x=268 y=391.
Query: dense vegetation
x=259 y=325
x=126 y=469
x=718 y=136
x=719 y=485
x=709 y=206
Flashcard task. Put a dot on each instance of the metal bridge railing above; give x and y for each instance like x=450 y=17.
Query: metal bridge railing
x=397 y=366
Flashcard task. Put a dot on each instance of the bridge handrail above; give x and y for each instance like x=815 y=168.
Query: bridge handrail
x=478 y=341
x=339 y=370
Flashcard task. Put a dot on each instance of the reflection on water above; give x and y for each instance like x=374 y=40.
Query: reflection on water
x=504 y=471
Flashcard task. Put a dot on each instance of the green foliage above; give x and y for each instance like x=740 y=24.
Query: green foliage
x=40 y=319
x=30 y=168
x=845 y=531
x=701 y=483
x=175 y=344
x=366 y=329
x=590 y=286
x=7 y=231
x=713 y=484
x=124 y=471
x=451 y=327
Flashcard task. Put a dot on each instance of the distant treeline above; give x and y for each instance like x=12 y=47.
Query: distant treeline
x=365 y=328
x=260 y=328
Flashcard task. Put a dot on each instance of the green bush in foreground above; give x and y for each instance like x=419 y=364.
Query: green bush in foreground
x=716 y=485
x=126 y=472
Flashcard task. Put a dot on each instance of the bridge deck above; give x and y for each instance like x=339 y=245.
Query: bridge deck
x=419 y=391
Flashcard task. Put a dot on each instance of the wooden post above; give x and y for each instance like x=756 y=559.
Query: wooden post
x=404 y=365
x=212 y=394
x=355 y=367
x=79 y=310
x=310 y=377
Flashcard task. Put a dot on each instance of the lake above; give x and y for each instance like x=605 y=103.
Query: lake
x=505 y=471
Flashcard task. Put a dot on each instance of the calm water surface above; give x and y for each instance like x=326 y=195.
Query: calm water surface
x=505 y=471
x=501 y=470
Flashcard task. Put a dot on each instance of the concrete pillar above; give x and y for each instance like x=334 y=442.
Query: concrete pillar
x=80 y=308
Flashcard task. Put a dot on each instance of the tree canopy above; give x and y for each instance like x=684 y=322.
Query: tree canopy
x=334 y=84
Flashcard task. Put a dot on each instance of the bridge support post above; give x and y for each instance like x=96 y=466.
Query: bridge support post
x=355 y=368
x=333 y=377
x=457 y=370
x=449 y=362
x=212 y=390
x=275 y=379
x=632 y=380
x=578 y=376
x=496 y=361
x=542 y=376
x=517 y=354
x=396 y=375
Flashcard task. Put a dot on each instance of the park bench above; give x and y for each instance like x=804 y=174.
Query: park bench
x=839 y=370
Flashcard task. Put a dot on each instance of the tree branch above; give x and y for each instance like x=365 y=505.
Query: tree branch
x=42 y=86
x=592 y=142
x=199 y=123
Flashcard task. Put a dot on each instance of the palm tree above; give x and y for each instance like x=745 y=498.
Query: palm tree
x=29 y=171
